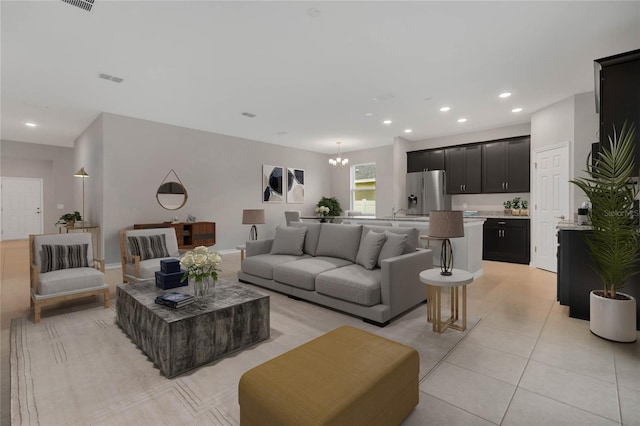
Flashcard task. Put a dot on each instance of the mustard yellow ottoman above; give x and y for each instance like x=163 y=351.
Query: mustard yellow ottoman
x=345 y=377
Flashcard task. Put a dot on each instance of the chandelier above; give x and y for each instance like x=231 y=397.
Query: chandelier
x=338 y=161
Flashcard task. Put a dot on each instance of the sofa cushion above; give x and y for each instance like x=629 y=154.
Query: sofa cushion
x=302 y=274
x=393 y=246
x=56 y=257
x=262 y=265
x=311 y=239
x=369 y=250
x=412 y=234
x=288 y=240
x=352 y=283
x=341 y=241
x=148 y=247
x=69 y=280
x=148 y=267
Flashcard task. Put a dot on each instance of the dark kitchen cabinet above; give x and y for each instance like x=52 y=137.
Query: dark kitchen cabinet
x=506 y=240
x=619 y=94
x=463 y=165
x=418 y=161
x=506 y=165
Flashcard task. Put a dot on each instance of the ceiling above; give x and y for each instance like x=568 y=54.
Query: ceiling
x=308 y=70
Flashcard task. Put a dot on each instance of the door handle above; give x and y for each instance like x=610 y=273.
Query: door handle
x=561 y=217
x=507 y=185
x=503 y=185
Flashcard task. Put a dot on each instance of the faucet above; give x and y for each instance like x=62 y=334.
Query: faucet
x=394 y=211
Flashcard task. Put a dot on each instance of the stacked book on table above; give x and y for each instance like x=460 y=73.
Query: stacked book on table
x=175 y=299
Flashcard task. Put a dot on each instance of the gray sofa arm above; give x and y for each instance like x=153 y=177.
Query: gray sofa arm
x=255 y=248
x=401 y=286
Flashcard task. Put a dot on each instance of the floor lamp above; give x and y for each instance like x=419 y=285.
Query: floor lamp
x=82 y=174
x=446 y=224
x=253 y=217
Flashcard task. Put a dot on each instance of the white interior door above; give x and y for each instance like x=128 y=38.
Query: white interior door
x=21 y=207
x=552 y=202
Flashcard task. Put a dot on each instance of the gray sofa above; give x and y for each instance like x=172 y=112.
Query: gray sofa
x=367 y=271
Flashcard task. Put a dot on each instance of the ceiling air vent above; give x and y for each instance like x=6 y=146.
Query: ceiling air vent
x=82 y=4
x=248 y=114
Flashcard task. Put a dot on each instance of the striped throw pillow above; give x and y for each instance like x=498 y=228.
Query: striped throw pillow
x=148 y=247
x=57 y=257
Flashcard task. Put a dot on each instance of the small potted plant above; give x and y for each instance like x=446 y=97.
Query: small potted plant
x=69 y=219
x=524 y=211
x=507 y=207
x=515 y=206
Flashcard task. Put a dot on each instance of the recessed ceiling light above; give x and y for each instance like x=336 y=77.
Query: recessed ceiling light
x=461 y=120
x=387 y=122
x=408 y=130
x=516 y=110
x=445 y=108
x=505 y=94
x=368 y=114
x=29 y=124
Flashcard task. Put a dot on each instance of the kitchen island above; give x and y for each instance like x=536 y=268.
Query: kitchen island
x=467 y=250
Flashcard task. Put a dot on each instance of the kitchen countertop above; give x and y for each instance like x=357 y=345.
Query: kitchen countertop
x=571 y=225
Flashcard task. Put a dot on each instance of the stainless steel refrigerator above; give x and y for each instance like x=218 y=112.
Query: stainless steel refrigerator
x=427 y=191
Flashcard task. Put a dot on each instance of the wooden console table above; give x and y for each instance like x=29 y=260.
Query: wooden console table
x=189 y=235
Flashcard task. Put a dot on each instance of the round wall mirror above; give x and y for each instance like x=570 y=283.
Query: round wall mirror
x=172 y=195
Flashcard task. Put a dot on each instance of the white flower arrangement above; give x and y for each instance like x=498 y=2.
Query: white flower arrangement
x=322 y=210
x=201 y=263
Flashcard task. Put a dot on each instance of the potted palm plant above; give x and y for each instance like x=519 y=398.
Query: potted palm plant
x=614 y=240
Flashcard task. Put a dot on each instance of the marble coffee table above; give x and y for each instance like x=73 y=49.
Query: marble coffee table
x=178 y=340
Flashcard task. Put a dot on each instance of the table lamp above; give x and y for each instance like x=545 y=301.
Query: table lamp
x=446 y=224
x=82 y=174
x=253 y=217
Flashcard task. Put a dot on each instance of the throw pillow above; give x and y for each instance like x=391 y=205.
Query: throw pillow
x=394 y=246
x=57 y=257
x=370 y=249
x=148 y=247
x=341 y=241
x=288 y=240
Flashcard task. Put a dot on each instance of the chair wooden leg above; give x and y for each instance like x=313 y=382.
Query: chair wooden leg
x=31 y=300
x=36 y=312
x=106 y=299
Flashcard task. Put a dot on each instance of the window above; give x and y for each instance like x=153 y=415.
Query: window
x=363 y=188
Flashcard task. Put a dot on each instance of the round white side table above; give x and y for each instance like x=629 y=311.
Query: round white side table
x=435 y=282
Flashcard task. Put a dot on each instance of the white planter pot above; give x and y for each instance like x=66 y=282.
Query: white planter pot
x=613 y=319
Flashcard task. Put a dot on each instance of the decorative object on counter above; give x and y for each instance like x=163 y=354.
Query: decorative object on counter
x=201 y=266
x=191 y=218
x=613 y=242
x=322 y=211
x=524 y=211
x=332 y=203
x=69 y=219
x=338 y=161
x=171 y=195
x=174 y=219
x=82 y=174
x=446 y=224
x=253 y=217
x=515 y=206
x=507 y=207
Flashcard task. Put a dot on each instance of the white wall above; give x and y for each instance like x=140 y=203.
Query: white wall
x=89 y=154
x=53 y=164
x=222 y=175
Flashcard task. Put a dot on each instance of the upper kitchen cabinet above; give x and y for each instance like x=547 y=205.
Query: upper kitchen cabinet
x=463 y=166
x=618 y=89
x=418 y=161
x=505 y=165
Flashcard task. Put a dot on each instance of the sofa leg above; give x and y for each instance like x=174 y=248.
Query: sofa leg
x=376 y=323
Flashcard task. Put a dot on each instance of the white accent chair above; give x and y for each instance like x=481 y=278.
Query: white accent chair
x=292 y=216
x=133 y=268
x=64 y=284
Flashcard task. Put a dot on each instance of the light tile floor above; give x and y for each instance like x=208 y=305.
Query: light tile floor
x=525 y=363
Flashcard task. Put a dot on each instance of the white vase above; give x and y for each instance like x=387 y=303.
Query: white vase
x=613 y=319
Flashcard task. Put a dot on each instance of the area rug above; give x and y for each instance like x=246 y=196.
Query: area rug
x=80 y=368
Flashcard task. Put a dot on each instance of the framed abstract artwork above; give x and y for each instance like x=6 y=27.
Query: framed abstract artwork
x=272 y=184
x=295 y=185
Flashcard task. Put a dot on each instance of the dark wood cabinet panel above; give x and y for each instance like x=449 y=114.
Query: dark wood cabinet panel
x=189 y=235
x=506 y=166
x=463 y=165
x=435 y=159
x=416 y=161
x=506 y=240
x=619 y=95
